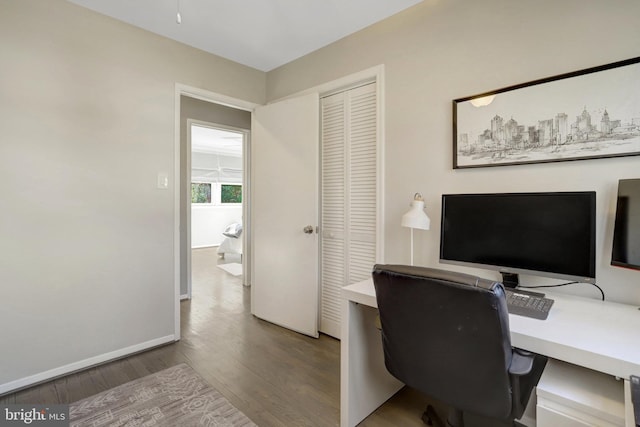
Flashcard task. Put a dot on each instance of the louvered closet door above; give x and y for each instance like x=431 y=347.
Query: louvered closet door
x=348 y=181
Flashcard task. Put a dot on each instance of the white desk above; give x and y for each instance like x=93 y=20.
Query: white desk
x=598 y=335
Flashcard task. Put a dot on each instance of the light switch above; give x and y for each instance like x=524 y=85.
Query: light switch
x=163 y=180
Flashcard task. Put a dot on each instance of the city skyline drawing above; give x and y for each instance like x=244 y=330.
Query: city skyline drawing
x=596 y=114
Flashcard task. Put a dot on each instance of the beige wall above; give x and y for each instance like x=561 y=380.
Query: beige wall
x=87 y=109
x=445 y=49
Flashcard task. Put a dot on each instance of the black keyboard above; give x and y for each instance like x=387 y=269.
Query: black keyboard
x=528 y=304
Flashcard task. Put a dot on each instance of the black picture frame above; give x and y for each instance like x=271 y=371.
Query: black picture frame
x=585 y=114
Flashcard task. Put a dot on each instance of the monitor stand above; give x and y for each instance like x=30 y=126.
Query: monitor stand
x=510 y=280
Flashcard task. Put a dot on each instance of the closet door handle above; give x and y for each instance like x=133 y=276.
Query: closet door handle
x=308 y=229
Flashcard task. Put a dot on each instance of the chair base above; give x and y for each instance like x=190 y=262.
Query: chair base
x=473 y=420
x=458 y=419
x=455 y=418
x=431 y=418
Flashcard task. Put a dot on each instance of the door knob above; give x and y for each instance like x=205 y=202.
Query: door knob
x=308 y=229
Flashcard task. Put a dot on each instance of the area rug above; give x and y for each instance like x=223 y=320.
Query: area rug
x=232 y=268
x=177 y=396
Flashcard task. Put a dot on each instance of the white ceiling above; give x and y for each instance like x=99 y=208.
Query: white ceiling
x=262 y=34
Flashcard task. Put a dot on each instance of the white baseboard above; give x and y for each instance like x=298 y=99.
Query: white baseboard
x=82 y=364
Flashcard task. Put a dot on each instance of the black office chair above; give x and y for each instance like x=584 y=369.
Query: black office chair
x=446 y=334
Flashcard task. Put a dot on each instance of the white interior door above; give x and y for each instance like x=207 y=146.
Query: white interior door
x=285 y=201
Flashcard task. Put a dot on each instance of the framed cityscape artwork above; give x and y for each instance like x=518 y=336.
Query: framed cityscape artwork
x=580 y=115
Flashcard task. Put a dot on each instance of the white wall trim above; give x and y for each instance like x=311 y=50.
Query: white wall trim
x=176 y=212
x=82 y=364
x=216 y=98
x=204 y=247
x=328 y=88
x=207 y=96
x=380 y=85
x=247 y=260
x=187 y=219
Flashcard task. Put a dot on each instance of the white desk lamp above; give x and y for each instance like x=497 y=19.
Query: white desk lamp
x=416 y=218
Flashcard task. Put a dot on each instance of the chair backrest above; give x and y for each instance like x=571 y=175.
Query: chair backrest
x=447 y=335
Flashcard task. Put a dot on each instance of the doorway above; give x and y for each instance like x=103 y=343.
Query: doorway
x=216 y=197
x=200 y=106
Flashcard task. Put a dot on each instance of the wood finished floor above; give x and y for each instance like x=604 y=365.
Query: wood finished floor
x=275 y=376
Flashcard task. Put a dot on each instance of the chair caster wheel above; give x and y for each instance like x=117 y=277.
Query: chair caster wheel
x=431 y=418
x=426 y=419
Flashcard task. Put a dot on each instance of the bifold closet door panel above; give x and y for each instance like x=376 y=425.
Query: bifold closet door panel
x=348 y=196
x=333 y=205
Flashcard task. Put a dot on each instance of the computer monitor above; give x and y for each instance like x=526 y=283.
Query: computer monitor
x=549 y=234
x=626 y=231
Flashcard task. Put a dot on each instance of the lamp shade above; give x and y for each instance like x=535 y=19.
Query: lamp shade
x=416 y=217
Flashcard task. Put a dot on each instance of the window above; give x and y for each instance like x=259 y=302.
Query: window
x=230 y=193
x=200 y=192
x=206 y=193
